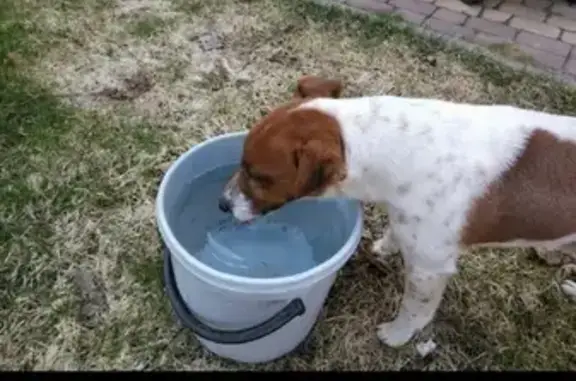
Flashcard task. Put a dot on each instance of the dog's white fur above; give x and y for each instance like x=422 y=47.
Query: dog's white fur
x=427 y=161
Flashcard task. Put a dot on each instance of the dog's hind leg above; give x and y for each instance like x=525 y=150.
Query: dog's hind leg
x=568 y=286
x=565 y=257
x=562 y=256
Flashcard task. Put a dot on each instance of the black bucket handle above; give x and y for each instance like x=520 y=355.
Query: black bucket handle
x=284 y=316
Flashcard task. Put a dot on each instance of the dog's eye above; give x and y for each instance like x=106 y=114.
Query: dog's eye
x=263 y=180
x=260 y=178
x=270 y=208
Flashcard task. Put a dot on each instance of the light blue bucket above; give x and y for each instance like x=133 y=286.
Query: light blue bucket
x=241 y=318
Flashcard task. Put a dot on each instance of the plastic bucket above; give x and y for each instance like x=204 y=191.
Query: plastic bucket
x=244 y=319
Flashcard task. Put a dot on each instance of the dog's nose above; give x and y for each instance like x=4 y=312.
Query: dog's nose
x=224 y=205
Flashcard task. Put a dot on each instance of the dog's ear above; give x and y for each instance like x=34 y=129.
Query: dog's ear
x=319 y=155
x=317 y=166
x=310 y=86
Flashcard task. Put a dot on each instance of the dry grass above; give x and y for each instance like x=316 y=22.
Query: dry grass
x=130 y=89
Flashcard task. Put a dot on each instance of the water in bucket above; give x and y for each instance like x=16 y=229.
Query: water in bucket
x=287 y=241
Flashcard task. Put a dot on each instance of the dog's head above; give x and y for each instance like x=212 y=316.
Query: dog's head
x=291 y=153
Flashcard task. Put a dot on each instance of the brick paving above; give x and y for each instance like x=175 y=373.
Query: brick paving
x=545 y=30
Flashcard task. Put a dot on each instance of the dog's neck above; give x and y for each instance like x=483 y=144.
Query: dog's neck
x=393 y=143
x=366 y=123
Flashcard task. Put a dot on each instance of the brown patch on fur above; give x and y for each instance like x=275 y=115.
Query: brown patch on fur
x=292 y=153
x=534 y=200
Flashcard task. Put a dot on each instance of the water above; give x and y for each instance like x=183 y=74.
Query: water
x=260 y=250
x=290 y=240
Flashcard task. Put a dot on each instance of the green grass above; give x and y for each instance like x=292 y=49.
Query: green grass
x=56 y=159
x=190 y=6
x=148 y=26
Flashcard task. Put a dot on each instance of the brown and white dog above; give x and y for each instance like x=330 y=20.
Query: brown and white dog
x=451 y=175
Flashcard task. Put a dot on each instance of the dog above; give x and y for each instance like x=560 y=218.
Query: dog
x=451 y=175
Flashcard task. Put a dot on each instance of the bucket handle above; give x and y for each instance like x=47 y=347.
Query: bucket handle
x=281 y=318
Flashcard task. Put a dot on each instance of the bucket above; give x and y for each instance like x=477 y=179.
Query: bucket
x=250 y=320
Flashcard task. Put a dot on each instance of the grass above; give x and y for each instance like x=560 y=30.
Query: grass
x=148 y=26
x=94 y=109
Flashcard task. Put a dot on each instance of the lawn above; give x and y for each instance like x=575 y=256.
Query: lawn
x=98 y=97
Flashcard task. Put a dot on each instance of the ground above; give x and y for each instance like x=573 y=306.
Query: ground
x=98 y=97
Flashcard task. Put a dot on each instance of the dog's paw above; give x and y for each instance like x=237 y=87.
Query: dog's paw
x=395 y=333
x=385 y=246
x=380 y=248
x=569 y=288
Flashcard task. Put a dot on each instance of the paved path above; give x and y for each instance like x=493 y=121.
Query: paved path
x=542 y=32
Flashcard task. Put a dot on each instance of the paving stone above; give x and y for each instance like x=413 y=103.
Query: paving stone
x=490 y=39
x=413 y=17
x=543 y=43
x=538 y=4
x=570 y=67
x=562 y=22
x=371 y=5
x=535 y=27
x=449 y=28
x=492 y=4
x=450 y=16
x=569 y=37
x=416 y=6
x=496 y=16
x=522 y=11
x=491 y=27
x=544 y=30
x=458 y=6
x=546 y=59
x=563 y=9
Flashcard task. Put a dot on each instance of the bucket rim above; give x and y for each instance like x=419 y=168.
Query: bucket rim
x=227 y=280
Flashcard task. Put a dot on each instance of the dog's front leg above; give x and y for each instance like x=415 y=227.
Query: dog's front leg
x=386 y=246
x=423 y=291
